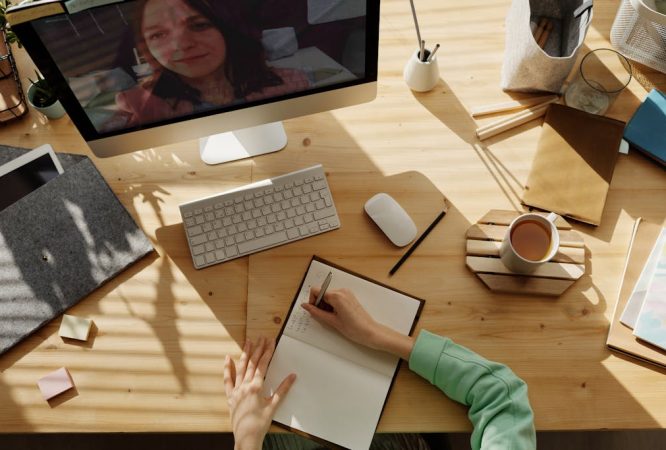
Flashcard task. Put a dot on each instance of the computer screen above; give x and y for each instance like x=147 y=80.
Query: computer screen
x=132 y=66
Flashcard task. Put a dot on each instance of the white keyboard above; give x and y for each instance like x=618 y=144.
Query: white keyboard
x=259 y=216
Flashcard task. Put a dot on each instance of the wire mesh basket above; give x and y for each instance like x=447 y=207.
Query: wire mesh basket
x=639 y=33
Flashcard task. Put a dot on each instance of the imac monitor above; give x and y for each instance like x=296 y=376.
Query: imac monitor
x=136 y=74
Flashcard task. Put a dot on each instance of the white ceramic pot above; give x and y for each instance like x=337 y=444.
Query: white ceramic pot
x=421 y=76
x=54 y=111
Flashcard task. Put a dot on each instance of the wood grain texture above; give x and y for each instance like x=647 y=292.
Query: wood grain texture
x=155 y=362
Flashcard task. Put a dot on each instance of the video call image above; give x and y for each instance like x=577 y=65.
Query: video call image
x=138 y=63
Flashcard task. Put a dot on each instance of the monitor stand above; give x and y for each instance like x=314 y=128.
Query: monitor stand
x=245 y=143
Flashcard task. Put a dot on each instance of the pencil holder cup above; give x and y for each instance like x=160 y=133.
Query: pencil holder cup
x=419 y=75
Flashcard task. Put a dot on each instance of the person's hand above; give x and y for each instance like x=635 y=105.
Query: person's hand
x=347 y=316
x=251 y=411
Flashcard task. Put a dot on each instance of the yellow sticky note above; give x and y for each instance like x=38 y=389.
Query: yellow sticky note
x=73 y=327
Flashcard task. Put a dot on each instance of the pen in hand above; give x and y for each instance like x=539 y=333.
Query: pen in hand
x=319 y=302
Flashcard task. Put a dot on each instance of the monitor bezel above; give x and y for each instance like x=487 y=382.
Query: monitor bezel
x=232 y=117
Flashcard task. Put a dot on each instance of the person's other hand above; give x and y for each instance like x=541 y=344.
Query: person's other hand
x=345 y=315
x=251 y=411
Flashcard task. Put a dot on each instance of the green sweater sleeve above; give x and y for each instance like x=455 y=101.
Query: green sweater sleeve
x=499 y=408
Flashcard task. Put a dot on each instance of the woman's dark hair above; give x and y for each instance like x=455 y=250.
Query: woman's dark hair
x=245 y=65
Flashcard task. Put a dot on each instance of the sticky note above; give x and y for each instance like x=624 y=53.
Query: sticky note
x=55 y=383
x=73 y=327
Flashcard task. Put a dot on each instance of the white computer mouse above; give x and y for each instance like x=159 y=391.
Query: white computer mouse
x=391 y=219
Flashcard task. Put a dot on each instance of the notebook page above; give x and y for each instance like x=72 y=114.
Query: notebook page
x=386 y=306
x=332 y=398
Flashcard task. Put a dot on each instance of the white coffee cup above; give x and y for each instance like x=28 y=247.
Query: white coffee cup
x=517 y=263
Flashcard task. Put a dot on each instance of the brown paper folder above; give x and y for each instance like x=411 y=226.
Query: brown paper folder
x=620 y=336
x=574 y=164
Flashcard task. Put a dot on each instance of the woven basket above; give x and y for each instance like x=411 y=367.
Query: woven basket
x=639 y=33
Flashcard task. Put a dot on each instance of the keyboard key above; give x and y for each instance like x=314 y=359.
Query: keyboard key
x=237 y=219
x=197 y=250
x=271 y=218
x=219 y=254
x=240 y=237
x=300 y=210
x=190 y=222
x=279 y=226
x=287 y=195
x=239 y=208
x=200 y=239
x=266 y=241
x=217 y=225
x=219 y=213
x=210 y=216
x=212 y=236
x=298 y=190
x=199 y=220
x=232 y=229
x=219 y=205
x=249 y=205
x=307 y=189
x=275 y=207
x=241 y=227
x=221 y=233
x=229 y=211
x=309 y=180
x=295 y=202
x=281 y=215
x=266 y=210
x=313 y=228
x=268 y=191
x=246 y=216
x=258 y=203
x=298 y=220
x=208 y=209
x=324 y=226
x=285 y=204
x=232 y=251
x=199 y=260
x=317 y=185
x=308 y=218
x=261 y=221
x=229 y=241
x=210 y=257
x=291 y=213
x=268 y=200
x=314 y=196
x=259 y=232
x=226 y=221
x=210 y=246
x=219 y=243
x=228 y=202
x=198 y=211
x=333 y=222
x=288 y=223
x=188 y=214
x=323 y=213
x=292 y=233
x=320 y=204
x=207 y=227
x=248 y=196
x=249 y=235
x=256 y=213
x=310 y=207
x=269 y=229
x=252 y=224
x=194 y=230
x=303 y=230
x=278 y=197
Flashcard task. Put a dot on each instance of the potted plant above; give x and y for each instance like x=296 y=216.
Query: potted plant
x=42 y=97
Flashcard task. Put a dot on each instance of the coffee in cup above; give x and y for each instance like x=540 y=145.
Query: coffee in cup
x=530 y=241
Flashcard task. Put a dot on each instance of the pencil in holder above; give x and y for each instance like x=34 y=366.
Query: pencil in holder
x=421 y=76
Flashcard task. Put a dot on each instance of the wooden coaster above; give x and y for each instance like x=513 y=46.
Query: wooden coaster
x=551 y=278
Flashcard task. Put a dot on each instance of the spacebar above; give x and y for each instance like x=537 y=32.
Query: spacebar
x=262 y=242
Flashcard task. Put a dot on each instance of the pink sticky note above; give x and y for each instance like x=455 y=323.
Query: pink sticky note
x=55 y=383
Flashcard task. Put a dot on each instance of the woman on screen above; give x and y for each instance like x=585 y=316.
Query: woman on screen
x=199 y=62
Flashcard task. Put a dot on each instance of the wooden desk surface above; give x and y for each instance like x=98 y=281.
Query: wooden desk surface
x=156 y=359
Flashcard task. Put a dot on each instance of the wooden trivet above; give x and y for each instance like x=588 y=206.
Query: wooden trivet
x=551 y=278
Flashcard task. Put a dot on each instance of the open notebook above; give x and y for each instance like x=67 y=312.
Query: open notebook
x=341 y=386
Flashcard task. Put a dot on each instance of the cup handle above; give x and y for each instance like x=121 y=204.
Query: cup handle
x=551 y=217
